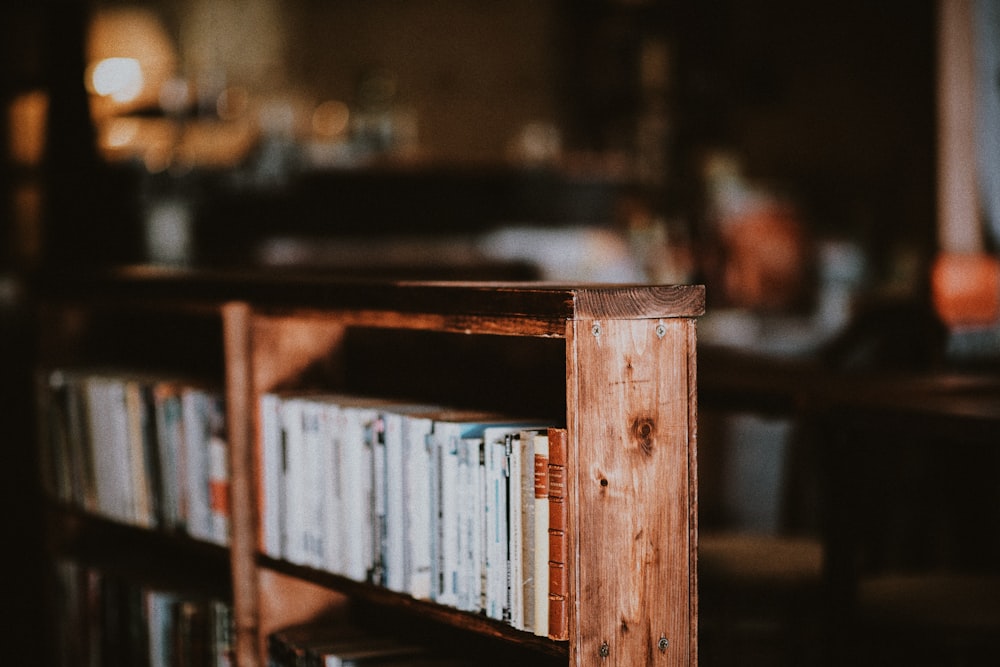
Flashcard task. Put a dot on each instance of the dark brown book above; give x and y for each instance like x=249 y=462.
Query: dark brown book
x=558 y=576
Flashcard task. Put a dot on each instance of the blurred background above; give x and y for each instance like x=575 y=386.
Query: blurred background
x=606 y=139
x=785 y=154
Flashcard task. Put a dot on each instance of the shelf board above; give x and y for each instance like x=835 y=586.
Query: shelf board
x=170 y=561
x=428 y=612
x=525 y=308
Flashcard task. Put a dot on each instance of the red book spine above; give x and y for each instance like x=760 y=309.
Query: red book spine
x=558 y=575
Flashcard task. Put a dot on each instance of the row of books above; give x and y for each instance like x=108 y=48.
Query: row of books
x=109 y=621
x=145 y=451
x=341 y=644
x=463 y=508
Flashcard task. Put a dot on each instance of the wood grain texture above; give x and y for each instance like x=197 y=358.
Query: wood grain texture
x=492 y=300
x=239 y=426
x=283 y=351
x=691 y=327
x=631 y=498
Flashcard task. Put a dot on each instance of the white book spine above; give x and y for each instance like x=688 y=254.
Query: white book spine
x=356 y=481
x=291 y=418
x=496 y=542
x=196 y=435
x=448 y=533
x=471 y=524
x=312 y=487
x=395 y=562
x=418 y=506
x=515 y=537
x=376 y=436
x=109 y=447
x=333 y=512
x=271 y=475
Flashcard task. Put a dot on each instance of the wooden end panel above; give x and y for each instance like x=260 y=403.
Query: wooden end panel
x=240 y=428
x=629 y=451
x=262 y=354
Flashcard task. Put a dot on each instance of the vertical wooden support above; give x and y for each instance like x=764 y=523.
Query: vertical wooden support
x=959 y=228
x=240 y=428
x=631 y=438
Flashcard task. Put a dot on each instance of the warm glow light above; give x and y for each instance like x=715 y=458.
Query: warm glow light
x=121 y=133
x=26 y=132
x=117 y=78
x=130 y=56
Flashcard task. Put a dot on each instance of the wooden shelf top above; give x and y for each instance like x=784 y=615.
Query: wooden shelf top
x=527 y=300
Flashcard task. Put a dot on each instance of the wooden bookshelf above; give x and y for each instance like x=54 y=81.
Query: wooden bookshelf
x=614 y=364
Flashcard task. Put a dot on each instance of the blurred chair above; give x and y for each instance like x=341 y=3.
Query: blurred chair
x=914 y=546
x=760 y=570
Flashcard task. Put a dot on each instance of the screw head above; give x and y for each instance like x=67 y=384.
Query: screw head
x=661 y=330
x=596 y=329
x=605 y=650
x=663 y=644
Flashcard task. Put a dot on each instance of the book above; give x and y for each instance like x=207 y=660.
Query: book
x=308 y=438
x=218 y=469
x=418 y=508
x=540 y=554
x=141 y=446
x=404 y=481
x=515 y=530
x=375 y=653
x=167 y=416
x=54 y=460
x=470 y=524
x=197 y=431
x=449 y=429
x=530 y=544
x=558 y=547
x=505 y=544
x=162 y=630
x=271 y=477
x=108 y=437
x=495 y=522
x=352 y=430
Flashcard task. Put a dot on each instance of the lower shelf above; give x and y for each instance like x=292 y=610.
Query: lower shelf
x=428 y=621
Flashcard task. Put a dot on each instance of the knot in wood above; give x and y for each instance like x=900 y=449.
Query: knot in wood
x=643 y=430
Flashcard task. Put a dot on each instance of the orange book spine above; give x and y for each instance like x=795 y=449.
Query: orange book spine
x=558 y=575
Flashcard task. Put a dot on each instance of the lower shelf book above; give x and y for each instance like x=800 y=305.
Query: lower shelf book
x=106 y=619
x=345 y=645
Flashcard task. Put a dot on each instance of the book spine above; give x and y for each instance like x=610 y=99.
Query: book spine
x=419 y=507
x=470 y=525
x=291 y=416
x=515 y=533
x=198 y=518
x=378 y=501
x=448 y=517
x=167 y=414
x=496 y=543
x=558 y=548
x=218 y=471
x=393 y=546
x=526 y=441
x=540 y=561
x=270 y=468
x=334 y=535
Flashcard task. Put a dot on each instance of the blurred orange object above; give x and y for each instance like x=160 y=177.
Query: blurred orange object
x=965 y=288
x=767 y=258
